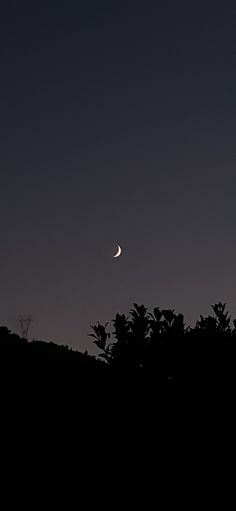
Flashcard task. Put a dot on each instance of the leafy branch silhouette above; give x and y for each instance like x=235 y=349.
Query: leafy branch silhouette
x=160 y=339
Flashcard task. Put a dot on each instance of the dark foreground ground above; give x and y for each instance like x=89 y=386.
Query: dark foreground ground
x=68 y=415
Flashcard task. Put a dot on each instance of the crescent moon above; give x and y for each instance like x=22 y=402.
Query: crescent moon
x=118 y=251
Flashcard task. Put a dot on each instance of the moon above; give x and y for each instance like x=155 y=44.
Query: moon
x=118 y=253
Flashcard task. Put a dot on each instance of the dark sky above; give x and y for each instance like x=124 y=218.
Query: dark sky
x=117 y=125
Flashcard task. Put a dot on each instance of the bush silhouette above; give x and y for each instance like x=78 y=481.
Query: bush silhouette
x=159 y=342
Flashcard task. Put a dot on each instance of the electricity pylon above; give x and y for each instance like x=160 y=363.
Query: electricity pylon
x=24 y=325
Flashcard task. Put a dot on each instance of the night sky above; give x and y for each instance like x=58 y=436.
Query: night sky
x=117 y=127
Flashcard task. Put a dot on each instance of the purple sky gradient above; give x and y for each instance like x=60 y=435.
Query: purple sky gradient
x=117 y=126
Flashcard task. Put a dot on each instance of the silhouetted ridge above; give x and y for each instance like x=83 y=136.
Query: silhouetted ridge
x=162 y=389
